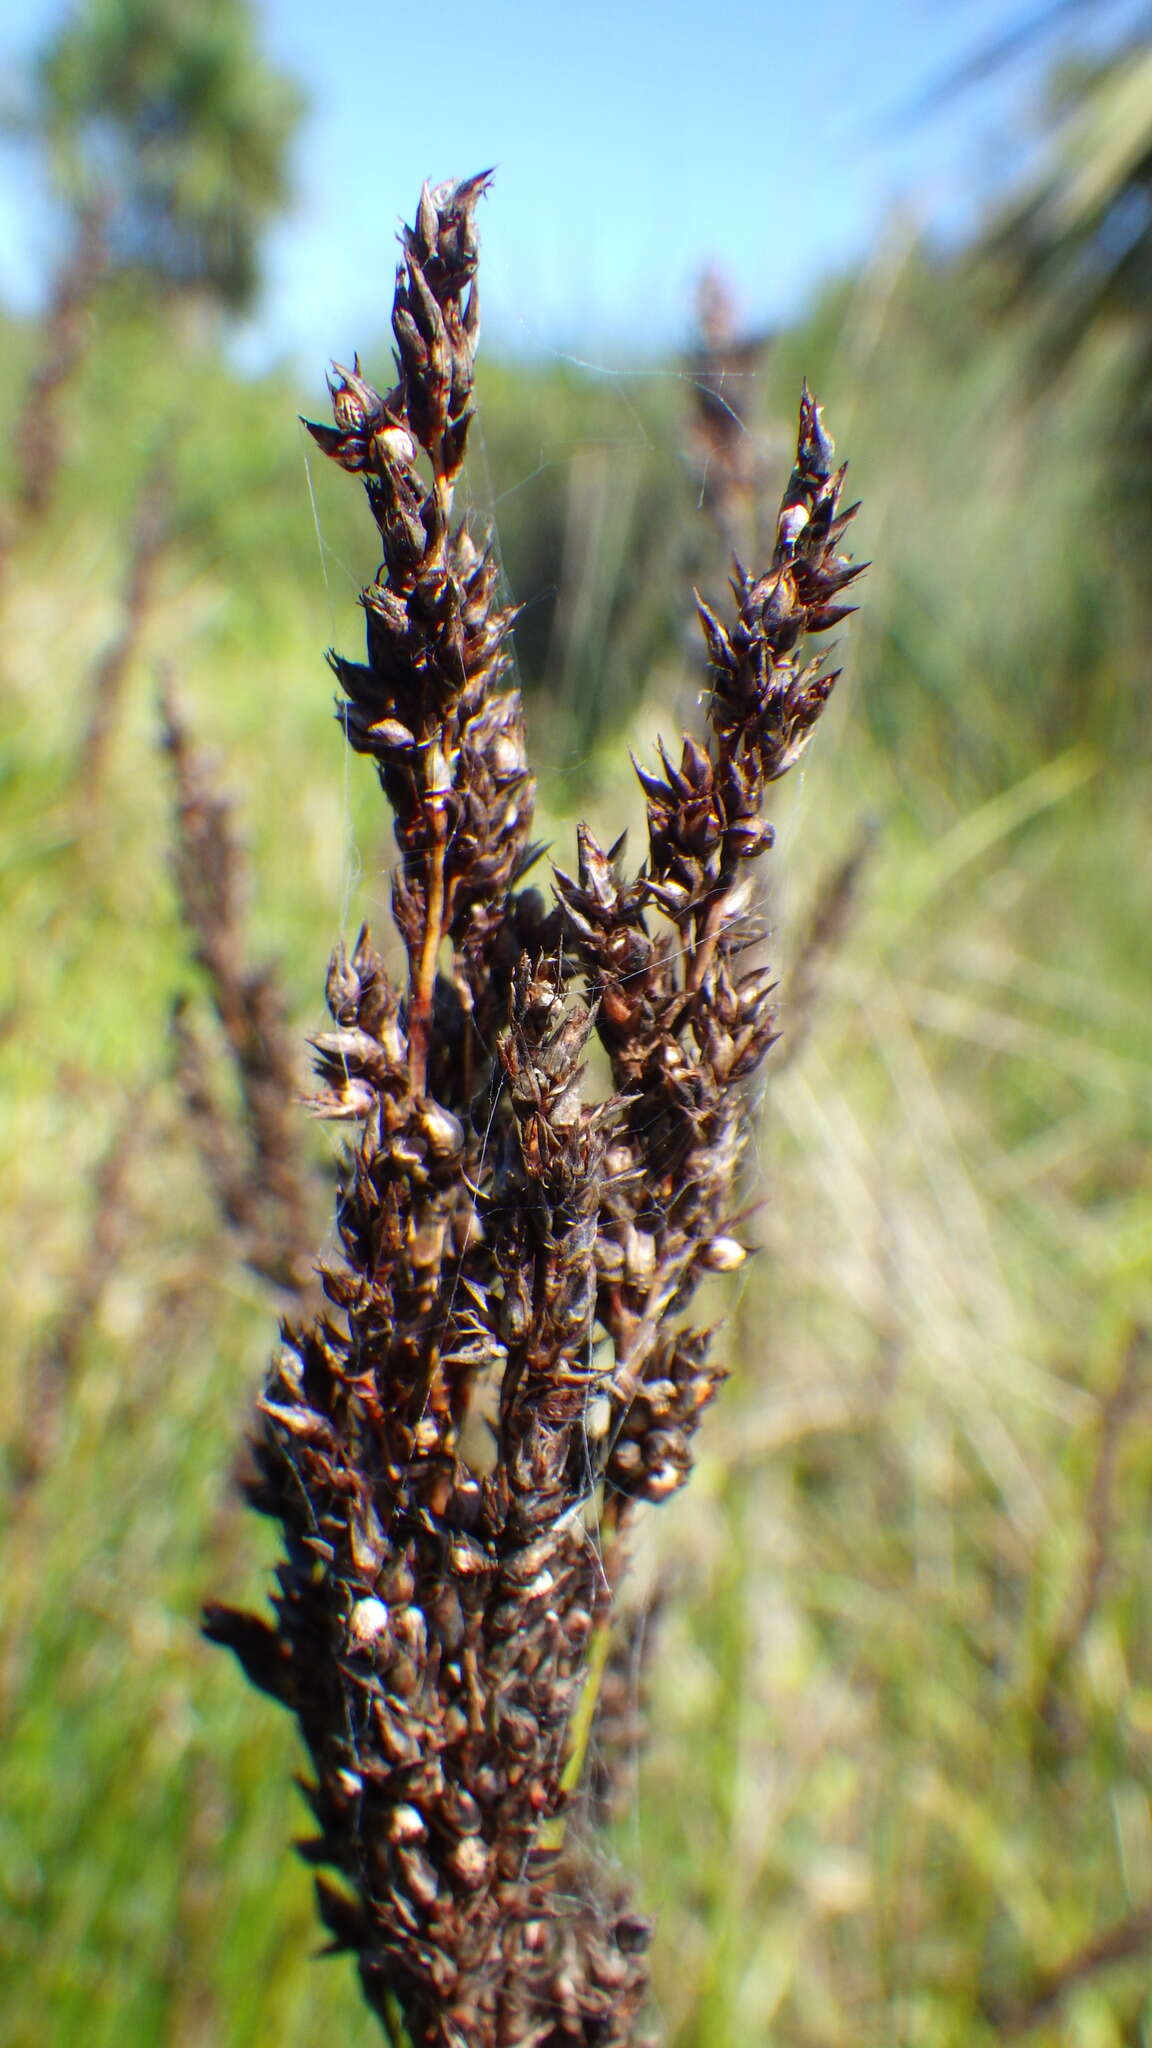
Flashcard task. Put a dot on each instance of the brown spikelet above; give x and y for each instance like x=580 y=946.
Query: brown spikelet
x=37 y=437
x=254 y=1160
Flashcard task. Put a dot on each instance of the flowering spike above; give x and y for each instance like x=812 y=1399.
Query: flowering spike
x=510 y=1256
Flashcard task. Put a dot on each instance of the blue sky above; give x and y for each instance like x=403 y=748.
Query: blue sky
x=633 y=144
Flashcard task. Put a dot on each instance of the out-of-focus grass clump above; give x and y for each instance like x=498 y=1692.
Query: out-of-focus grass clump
x=902 y=1698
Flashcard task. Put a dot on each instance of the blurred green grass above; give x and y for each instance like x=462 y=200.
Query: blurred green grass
x=854 y=1824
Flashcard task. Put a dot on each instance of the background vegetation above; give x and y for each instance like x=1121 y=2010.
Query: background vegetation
x=901 y=1681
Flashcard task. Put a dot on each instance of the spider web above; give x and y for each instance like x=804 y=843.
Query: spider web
x=601 y=1868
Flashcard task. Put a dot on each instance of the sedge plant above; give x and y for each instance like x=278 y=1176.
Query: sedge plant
x=506 y=1368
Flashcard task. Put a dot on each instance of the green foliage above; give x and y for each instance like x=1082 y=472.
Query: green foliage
x=167 y=120
x=1081 y=237
x=939 y=1800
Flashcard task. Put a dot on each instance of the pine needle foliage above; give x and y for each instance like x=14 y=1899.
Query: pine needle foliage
x=506 y=1369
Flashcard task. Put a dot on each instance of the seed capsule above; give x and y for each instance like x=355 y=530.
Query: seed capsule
x=399 y=1742
x=442 y=1132
x=470 y=1861
x=418 y=1876
x=354 y=401
x=793 y=520
x=723 y=1255
x=460 y=1811
x=368 y=1623
x=406 y=1824
x=343 y=987
x=392 y=734
x=393 y=446
x=663 y=1482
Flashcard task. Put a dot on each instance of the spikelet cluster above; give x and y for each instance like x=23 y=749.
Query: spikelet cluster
x=505 y=1354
